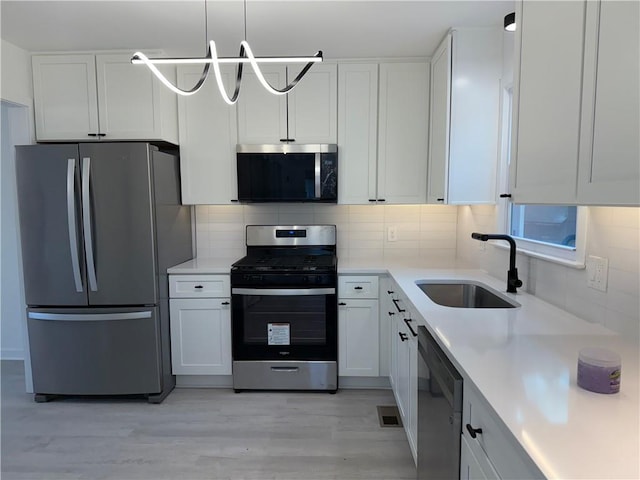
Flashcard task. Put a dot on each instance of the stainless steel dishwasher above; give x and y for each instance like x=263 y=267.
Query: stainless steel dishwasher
x=439 y=412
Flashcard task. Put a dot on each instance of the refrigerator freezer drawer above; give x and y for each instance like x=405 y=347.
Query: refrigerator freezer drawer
x=95 y=351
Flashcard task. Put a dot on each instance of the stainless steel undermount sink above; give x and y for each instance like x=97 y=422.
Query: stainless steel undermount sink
x=464 y=294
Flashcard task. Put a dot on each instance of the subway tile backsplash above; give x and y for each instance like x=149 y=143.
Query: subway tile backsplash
x=426 y=234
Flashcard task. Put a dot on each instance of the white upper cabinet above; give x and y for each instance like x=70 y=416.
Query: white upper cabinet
x=357 y=133
x=66 y=98
x=575 y=119
x=465 y=101
x=89 y=97
x=208 y=138
x=403 y=129
x=547 y=100
x=308 y=114
x=609 y=170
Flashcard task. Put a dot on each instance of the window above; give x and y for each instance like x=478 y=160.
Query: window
x=552 y=232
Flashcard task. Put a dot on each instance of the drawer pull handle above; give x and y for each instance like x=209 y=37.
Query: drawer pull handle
x=395 y=302
x=473 y=431
x=225 y=303
x=390 y=292
x=403 y=336
x=357 y=288
x=391 y=313
x=198 y=287
x=407 y=321
x=342 y=304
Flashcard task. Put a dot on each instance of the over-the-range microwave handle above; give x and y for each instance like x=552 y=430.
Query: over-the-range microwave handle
x=318 y=189
x=72 y=223
x=86 y=219
x=283 y=291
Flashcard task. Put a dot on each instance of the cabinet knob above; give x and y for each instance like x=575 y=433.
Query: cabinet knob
x=391 y=313
x=474 y=432
x=390 y=292
x=403 y=336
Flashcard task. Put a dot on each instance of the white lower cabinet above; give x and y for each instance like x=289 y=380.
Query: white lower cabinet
x=471 y=468
x=403 y=369
x=358 y=338
x=358 y=326
x=200 y=327
x=496 y=452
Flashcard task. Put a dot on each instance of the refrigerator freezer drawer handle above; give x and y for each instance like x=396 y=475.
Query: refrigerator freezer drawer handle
x=96 y=317
x=86 y=220
x=71 y=219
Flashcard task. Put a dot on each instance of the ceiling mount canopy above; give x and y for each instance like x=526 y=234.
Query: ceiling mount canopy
x=211 y=59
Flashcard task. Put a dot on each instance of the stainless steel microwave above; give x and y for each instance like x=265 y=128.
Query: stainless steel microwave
x=288 y=173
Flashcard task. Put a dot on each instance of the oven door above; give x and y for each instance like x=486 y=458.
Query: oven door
x=284 y=323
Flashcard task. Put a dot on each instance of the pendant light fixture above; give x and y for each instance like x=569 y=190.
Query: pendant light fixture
x=510 y=22
x=211 y=59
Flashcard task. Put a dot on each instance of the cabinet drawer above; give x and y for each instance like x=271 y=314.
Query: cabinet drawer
x=199 y=286
x=358 y=287
x=495 y=443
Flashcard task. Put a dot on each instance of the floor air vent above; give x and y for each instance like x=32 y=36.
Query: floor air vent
x=389 y=416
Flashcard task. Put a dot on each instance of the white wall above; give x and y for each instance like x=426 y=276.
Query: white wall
x=16 y=124
x=426 y=234
x=613 y=233
x=16 y=84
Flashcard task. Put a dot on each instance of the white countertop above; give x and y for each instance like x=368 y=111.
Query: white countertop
x=524 y=361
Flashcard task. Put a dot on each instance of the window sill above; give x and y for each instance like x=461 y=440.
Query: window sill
x=578 y=265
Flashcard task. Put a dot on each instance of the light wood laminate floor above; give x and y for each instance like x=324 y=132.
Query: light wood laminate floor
x=200 y=434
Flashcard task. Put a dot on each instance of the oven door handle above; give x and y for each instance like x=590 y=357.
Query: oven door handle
x=283 y=291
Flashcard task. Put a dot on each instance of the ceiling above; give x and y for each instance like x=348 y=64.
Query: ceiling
x=341 y=29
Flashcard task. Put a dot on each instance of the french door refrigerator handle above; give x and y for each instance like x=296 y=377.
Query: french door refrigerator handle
x=86 y=217
x=73 y=226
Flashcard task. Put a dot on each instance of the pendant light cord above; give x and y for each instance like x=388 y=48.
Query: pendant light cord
x=206 y=24
x=245 y=20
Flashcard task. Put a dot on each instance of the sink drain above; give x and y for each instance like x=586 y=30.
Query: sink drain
x=389 y=416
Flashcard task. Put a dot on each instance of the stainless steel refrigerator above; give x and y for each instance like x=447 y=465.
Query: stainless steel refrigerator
x=100 y=223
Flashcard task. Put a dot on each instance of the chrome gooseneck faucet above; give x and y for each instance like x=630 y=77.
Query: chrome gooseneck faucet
x=513 y=282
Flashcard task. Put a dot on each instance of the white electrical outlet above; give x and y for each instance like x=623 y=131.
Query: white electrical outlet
x=597 y=272
x=392 y=234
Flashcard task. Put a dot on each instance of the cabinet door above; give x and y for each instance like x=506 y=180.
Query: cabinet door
x=200 y=336
x=471 y=468
x=547 y=101
x=403 y=132
x=208 y=138
x=609 y=171
x=313 y=105
x=133 y=104
x=475 y=115
x=262 y=116
x=357 y=133
x=439 y=126
x=358 y=338
x=65 y=97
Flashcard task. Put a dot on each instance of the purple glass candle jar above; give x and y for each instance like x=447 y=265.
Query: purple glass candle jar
x=599 y=370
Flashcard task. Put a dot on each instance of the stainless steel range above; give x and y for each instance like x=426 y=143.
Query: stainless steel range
x=284 y=316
